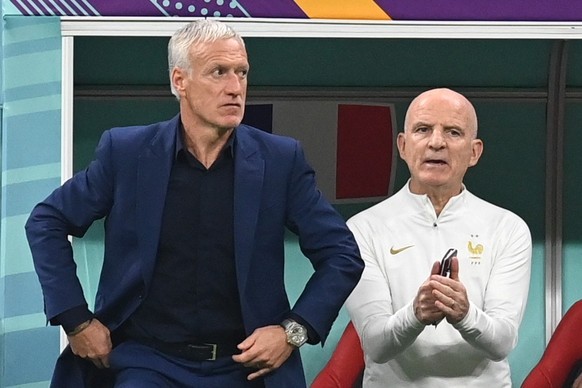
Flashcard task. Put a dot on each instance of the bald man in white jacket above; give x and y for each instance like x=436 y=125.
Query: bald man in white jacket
x=417 y=328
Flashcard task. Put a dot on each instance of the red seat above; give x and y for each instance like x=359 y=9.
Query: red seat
x=563 y=352
x=346 y=365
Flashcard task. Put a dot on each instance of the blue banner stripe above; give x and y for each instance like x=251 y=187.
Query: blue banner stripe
x=15 y=246
x=33 y=173
x=32 y=91
x=13 y=22
x=23 y=196
x=33 y=351
x=24 y=29
x=32 y=46
x=34 y=131
x=25 y=70
x=24 y=322
x=23 y=295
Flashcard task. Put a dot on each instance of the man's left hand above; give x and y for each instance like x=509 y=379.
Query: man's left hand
x=451 y=294
x=266 y=349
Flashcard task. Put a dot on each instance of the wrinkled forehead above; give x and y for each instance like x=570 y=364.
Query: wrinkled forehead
x=447 y=109
x=223 y=44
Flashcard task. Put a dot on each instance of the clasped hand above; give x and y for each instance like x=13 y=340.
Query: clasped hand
x=441 y=297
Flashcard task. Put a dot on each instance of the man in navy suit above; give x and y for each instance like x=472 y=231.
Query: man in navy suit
x=191 y=292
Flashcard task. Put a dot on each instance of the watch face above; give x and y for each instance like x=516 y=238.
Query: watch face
x=296 y=334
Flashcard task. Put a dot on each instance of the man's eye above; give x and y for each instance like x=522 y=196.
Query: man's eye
x=422 y=129
x=218 y=72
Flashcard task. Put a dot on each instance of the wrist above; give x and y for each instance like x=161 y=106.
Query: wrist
x=80 y=328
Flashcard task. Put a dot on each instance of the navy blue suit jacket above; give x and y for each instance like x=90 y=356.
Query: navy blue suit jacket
x=126 y=183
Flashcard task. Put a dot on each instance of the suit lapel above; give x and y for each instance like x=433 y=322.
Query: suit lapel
x=154 y=167
x=248 y=181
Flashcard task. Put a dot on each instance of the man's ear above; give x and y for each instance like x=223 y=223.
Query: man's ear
x=477 y=150
x=179 y=80
x=401 y=143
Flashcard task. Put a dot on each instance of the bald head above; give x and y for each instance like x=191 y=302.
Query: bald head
x=438 y=97
x=439 y=144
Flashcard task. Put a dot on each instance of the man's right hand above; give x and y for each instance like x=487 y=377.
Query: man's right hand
x=424 y=307
x=265 y=350
x=92 y=343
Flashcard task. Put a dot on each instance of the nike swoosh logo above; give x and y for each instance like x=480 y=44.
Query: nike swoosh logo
x=397 y=251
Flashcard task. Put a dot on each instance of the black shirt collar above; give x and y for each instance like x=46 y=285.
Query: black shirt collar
x=180 y=141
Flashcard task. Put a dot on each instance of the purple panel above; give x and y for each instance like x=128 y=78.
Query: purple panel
x=273 y=8
x=484 y=10
x=191 y=8
x=488 y=10
x=88 y=8
x=228 y=8
x=126 y=8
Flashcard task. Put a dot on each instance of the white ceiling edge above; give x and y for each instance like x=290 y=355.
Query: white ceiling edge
x=326 y=28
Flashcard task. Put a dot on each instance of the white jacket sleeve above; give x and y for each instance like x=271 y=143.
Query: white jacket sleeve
x=493 y=329
x=384 y=333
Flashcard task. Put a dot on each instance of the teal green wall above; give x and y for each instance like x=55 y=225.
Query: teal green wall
x=372 y=63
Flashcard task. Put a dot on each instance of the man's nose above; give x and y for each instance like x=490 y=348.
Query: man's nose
x=235 y=84
x=437 y=139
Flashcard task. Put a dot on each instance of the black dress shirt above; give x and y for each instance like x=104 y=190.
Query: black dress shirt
x=193 y=295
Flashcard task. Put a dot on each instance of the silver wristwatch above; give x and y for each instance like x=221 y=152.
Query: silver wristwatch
x=296 y=333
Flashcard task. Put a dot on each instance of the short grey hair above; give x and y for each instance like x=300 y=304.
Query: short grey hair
x=195 y=33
